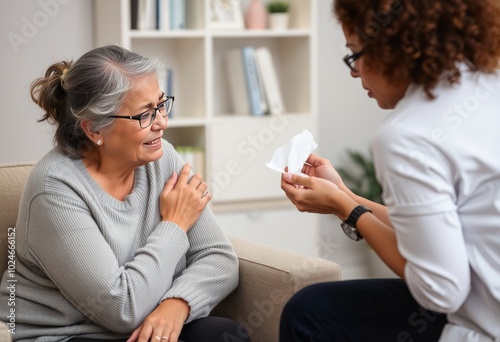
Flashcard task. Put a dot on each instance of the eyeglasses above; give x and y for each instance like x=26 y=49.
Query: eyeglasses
x=147 y=118
x=350 y=59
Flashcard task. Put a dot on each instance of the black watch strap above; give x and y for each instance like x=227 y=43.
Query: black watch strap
x=355 y=214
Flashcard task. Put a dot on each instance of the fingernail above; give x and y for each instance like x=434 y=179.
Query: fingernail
x=287 y=176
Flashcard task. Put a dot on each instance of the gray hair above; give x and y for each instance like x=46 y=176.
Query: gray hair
x=92 y=88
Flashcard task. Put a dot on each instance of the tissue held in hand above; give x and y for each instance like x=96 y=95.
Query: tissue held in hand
x=294 y=154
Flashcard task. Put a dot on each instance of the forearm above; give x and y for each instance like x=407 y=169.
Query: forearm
x=212 y=268
x=382 y=238
x=379 y=210
x=108 y=292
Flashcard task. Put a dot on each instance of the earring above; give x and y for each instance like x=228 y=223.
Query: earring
x=99 y=142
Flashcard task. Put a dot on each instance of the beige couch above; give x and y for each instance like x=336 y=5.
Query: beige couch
x=268 y=276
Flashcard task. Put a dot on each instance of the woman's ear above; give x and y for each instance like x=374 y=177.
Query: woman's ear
x=95 y=136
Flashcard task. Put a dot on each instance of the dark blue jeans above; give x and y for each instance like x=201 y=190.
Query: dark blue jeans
x=212 y=329
x=368 y=310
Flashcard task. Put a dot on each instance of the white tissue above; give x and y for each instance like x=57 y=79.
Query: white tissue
x=294 y=154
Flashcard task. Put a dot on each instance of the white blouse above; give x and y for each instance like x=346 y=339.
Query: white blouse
x=438 y=162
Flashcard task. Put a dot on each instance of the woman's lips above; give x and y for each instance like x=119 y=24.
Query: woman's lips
x=153 y=142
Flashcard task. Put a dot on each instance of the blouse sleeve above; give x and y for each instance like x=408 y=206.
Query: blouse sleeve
x=419 y=190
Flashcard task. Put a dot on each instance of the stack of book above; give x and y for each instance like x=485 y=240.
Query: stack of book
x=158 y=14
x=253 y=81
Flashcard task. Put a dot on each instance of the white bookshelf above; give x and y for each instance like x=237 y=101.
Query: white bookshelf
x=236 y=146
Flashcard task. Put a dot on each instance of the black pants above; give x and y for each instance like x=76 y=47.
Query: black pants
x=208 y=329
x=368 y=310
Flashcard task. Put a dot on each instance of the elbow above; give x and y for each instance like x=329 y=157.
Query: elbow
x=233 y=274
x=440 y=293
x=117 y=321
x=455 y=298
x=126 y=324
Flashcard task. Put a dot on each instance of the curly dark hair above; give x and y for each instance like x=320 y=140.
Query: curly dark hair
x=420 y=40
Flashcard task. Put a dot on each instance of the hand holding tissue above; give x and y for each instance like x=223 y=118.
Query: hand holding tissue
x=294 y=154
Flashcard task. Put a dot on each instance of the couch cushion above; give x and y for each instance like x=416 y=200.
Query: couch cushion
x=269 y=277
x=12 y=180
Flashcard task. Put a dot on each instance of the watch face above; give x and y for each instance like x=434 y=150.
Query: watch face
x=350 y=232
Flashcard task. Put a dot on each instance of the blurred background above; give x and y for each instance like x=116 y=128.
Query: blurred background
x=37 y=33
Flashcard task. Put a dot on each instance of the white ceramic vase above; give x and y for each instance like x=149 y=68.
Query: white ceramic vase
x=278 y=21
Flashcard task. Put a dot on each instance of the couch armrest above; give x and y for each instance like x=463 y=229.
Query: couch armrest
x=5 y=335
x=268 y=279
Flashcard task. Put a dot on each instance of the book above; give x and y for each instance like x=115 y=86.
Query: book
x=162 y=78
x=236 y=81
x=263 y=100
x=146 y=15
x=257 y=103
x=134 y=8
x=169 y=90
x=270 y=81
x=163 y=15
x=165 y=81
x=177 y=14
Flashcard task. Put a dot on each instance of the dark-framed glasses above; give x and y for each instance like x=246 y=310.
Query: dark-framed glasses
x=352 y=58
x=147 y=118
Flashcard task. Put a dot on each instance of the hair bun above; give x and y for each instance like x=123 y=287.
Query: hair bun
x=48 y=91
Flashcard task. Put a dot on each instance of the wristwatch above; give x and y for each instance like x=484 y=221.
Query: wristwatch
x=349 y=224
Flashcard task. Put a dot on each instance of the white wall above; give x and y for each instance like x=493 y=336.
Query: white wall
x=52 y=30
x=34 y=34
x=347 y=120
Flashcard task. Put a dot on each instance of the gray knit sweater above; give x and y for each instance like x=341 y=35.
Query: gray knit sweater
x=92 y=266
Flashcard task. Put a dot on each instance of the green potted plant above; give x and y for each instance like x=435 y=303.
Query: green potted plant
x=278 y=14
x=361 y=177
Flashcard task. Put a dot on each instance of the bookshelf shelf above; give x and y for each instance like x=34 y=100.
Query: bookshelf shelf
x=261 y=33
x=138 y=34
x=183 y=122
x=203 y=115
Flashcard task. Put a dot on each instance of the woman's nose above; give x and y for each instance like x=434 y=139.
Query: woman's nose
x=161 y=121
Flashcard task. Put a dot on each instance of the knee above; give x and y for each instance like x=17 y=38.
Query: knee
x=299 y=306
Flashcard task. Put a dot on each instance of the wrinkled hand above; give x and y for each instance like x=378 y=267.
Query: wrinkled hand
x=164 y=324
x=183 y=200
x=322 y=168
x=316 y=195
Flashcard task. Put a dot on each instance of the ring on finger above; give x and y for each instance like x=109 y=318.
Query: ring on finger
x=204 y=194
x=158 y=338
x=165 y=337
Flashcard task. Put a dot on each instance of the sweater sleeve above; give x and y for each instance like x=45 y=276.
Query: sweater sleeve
x=211 y=272
x=69 y=247
x=212 y=268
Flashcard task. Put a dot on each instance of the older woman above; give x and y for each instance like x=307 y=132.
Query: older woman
x=437 y=157
x=117 y=239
